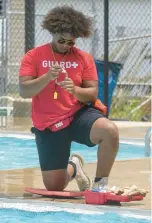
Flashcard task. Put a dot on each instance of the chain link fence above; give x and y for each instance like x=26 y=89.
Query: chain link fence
x=129 y=45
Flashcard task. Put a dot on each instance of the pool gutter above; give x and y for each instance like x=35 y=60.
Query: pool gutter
x=132 y=212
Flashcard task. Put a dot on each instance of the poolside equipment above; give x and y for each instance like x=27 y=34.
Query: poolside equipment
x=148 y=142
x=100 y=106
x=103 y=198
x=45 y=192
x=90 y=197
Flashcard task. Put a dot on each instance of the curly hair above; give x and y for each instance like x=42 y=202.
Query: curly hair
x=67 y=20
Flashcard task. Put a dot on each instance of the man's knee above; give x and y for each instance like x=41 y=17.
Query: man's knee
x=112 y=130
x=54 y=186
x=104 y=129
x=55 y=180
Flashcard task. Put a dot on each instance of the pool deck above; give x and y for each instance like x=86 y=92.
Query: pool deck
x=124 y=173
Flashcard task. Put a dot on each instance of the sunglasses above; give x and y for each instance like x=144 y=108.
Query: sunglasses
x=68 y=42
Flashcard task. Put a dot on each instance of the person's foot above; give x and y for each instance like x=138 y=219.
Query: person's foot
x=82 y=179
x=101 y=186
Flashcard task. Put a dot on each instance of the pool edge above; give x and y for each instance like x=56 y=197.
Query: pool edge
x=95 y=208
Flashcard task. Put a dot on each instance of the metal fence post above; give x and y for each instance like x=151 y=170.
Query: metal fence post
x=29 y=24
x=106 y=52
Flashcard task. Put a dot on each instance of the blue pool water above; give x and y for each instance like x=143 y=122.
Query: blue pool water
x=13 y=215
x=19 y=152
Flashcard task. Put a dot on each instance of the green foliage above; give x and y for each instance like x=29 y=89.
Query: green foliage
x=121 y=109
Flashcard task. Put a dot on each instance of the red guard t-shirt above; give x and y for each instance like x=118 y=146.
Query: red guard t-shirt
x=79 y=65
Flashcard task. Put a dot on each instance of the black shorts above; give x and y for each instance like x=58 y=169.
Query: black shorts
x=54 y=147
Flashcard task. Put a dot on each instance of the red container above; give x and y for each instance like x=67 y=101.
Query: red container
x=94 y=197
x=102 y=198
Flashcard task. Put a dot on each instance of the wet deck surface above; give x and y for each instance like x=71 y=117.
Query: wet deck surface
x=124 y=173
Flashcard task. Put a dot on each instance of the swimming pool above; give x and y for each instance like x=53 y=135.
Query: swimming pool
x=19 y=151
x=17 y=211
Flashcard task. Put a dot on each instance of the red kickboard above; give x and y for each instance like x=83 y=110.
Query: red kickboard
x=103 y=198
x=45 y=192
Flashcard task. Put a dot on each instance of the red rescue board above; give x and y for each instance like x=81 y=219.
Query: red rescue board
x=45 y=192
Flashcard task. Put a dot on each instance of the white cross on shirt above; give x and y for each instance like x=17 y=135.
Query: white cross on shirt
x=74 y=64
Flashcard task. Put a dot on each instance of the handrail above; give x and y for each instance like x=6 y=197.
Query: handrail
x=7 y=97
x=147 y=142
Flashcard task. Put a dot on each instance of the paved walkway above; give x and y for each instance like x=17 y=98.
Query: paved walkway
x=127 y=129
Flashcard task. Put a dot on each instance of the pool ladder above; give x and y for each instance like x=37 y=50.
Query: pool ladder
x=148 y=142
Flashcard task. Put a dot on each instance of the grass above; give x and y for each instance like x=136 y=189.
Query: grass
x=121 y=109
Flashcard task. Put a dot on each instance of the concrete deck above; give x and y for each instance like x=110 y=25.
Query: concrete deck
x=124 y=173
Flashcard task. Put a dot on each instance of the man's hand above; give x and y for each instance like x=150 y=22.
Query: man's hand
x=68 y=85
x=54 y=72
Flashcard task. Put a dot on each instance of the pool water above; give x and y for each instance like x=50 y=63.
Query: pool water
x=19 y=152
x=13 y=215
